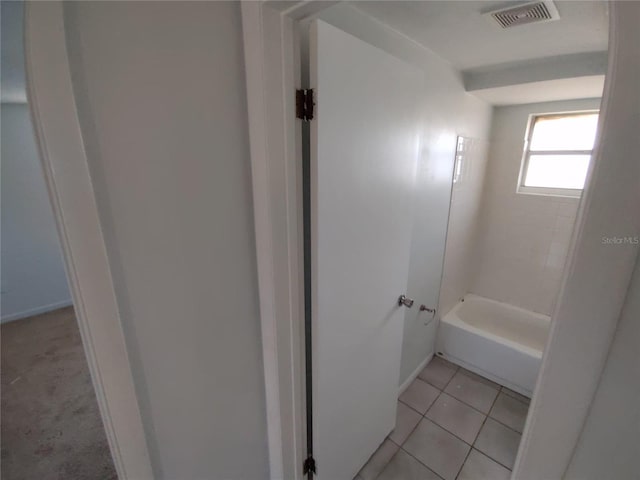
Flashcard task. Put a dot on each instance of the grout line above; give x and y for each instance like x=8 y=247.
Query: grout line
x=471 y=406
x=502 y=390
x=457 y=369
x=415 y=409
x=475 y=408
x=452 y=376
x=501 y=423
x=408 y=453
x=436 y=386
x=476 y=377
x=491 y=458
x=432 y=404
x=506 y=426
x=485 y=415
x=441 y=391
x=477 y=435
x=450 y=433
x=420 y=462
x=486 y=454
x=485 y=421
x=463 y=463
x=412 y=430
x=407 y=405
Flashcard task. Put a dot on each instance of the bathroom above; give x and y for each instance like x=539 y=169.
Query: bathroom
x=505 y=254
x=501 y=172
x=511 y=267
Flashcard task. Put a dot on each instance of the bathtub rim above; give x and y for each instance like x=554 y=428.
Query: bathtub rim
x=453 y=318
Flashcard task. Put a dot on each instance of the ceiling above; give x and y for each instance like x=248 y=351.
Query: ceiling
x=455 y=30
x=458 y=32
x=12 y=53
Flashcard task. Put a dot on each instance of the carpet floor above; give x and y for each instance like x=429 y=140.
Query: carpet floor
x=51 y=427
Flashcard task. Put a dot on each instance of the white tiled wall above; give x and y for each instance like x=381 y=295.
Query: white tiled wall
x=460 y=256
x=523 y=240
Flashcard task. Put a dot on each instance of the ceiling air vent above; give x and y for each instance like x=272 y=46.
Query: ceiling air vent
x=533 y=12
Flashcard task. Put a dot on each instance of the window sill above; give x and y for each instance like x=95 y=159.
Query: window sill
x=550 y=192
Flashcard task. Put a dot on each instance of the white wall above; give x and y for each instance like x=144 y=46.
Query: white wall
x=596 y=287
x=447 y=112
x=13 y=85
x=610 y=441
x=160 y=93
x=524 y=239
x=33 y=276
x=609 y=444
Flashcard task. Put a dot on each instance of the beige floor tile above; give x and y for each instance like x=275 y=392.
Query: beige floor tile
x=498 y=442
x=404 y=467
x=472 y=392
x=378 y=460
x=516 y=395
x=511 y=412
x=438 y=372
x=420 y=395
x=456 y=417
x=437 y=449
x=480 y=378
x=480 y=467
x=406 y=421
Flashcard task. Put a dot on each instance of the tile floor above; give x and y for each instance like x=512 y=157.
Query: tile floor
x=451 y=425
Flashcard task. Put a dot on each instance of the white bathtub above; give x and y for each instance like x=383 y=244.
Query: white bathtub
x=498 y=341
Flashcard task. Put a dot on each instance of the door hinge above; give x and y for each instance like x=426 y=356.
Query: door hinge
x=309 y=466
x=304 y=104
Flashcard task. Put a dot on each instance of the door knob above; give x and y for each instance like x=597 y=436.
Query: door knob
x=406 y=301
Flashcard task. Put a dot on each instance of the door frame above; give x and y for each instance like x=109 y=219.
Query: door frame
x=273 y=70
x=273 y=73
x=66 y=170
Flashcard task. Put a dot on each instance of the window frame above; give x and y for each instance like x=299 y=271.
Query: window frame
x=527 y=152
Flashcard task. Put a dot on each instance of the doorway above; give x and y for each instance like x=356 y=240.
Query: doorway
x=357 y=28
x=51 y=423
x=478 y=263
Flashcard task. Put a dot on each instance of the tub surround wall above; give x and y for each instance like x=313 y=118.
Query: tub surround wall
x=523 y=239
x=460 y=256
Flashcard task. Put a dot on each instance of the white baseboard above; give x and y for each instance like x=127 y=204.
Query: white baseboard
x=414 y=374
x=35 y=311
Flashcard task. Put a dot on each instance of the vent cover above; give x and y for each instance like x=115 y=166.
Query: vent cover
x=534 y=12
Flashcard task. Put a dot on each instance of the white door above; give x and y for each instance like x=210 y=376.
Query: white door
x=364 y=149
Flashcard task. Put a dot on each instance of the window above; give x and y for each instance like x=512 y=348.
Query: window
x=557 y=153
